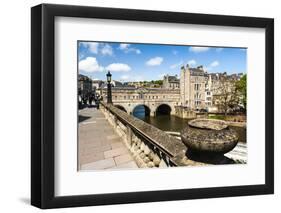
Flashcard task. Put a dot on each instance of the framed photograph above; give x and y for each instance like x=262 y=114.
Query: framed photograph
x=139 y=106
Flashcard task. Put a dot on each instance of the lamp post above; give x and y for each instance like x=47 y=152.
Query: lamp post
x=109 y=94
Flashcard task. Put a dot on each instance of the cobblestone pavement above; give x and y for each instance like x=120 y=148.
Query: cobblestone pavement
x=99 y=146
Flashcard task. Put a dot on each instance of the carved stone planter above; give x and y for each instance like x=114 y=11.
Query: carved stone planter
x=209 y=136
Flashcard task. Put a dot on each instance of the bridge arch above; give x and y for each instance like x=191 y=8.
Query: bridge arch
x=120 y=107
x=163 y=109
x=141 y=110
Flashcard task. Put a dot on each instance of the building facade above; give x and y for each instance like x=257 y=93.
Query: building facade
x=97 y=83
x=193 y=86
x=171 y=82
x=84 y=85
x=200 y=90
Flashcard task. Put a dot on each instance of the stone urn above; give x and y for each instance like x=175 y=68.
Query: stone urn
x=209 y=137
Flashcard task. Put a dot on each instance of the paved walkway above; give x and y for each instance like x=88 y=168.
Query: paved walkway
x=99 y=146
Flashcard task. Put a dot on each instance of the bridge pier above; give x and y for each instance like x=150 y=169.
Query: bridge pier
x=152 y=113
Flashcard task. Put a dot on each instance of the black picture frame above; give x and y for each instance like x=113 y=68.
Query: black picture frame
x=43 y=105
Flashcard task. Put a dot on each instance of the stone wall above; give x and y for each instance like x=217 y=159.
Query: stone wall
x=184 y=112
x=150 y=146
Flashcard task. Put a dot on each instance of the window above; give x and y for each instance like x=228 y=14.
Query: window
x=196 y=87
x=197 y=103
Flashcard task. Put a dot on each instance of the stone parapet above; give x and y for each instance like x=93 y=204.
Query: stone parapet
x=150 y=146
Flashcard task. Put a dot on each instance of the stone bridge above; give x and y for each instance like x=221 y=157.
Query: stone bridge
x=154 y=100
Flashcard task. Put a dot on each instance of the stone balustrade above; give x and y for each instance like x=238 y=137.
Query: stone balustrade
x=150 y=146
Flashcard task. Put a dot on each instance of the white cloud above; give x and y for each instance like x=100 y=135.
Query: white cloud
x=96 y=47
x=212 y=65
x=91 y=46
x=173 y=66
x=192 y=62
x=126 y=48
x=198 y=49
x=215 y=64
x=90 y=64
x=154 y=61
x=118 y=67
x=107 y=50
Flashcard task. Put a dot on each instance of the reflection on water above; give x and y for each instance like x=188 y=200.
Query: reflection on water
x=174 y=123
x=163 y=122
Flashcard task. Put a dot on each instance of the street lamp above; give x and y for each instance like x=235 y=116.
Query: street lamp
x=109 y=95
x=108 y=77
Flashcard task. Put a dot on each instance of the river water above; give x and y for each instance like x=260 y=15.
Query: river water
x=175 y=124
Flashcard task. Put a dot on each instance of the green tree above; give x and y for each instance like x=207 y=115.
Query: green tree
x=242 y=88
x=226 y=95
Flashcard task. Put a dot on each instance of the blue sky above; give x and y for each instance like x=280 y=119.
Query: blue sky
x=139 y=62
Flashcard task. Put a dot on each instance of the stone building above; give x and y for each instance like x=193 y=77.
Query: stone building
x=97 y=84
x=114 y=83
x=200 y=90
x=193 y=85
x=171 y=82
x=84 y=85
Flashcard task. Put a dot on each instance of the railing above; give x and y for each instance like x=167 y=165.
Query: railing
x=150 y=146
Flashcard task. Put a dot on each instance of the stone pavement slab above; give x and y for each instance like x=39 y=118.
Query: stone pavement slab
x=129 y=165
x=101 y=164
x=99 y=146
x=116 y=145
x=122 y=159
x=115 y=152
